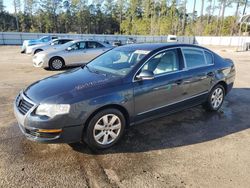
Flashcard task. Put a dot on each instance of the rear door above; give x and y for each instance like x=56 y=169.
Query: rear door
x=199 y=71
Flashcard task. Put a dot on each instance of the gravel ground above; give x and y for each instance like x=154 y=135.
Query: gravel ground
x=191 y=148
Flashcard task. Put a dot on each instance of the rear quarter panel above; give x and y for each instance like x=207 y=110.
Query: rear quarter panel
x=225 y=71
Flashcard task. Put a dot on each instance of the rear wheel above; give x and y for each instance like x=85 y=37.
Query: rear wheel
x=215 y=98
x=56 y=63
x=105 y=129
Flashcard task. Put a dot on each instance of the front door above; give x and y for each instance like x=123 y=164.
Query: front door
x=154 y=96
x=74 y=55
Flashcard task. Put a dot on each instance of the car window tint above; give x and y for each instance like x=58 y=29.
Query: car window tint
x=94 y=45
x=209 y=58
x=167 y=61
x=63 y=41
x=60 y=42
x=194 y=58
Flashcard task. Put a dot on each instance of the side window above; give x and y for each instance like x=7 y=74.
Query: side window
x=60 y=42
x=75 y=46
x=94 y=45
x=55 y=42
x=82 y=45
x=209 y=58
x=63 y=41
x=45 y=39
x=78 y=46
x=167 y=61
x=194 y=58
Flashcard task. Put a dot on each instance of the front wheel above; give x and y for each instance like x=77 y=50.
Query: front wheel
x=215 y=98
x=56 y=63
x=105 y=129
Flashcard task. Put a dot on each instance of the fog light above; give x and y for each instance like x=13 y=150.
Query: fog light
x=49 y=130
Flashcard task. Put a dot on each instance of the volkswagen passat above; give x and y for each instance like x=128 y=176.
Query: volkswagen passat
x=124 y=86
x=72 y=53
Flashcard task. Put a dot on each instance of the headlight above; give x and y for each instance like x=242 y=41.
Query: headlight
x=51 y=110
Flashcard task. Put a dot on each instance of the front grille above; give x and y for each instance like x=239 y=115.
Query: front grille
x=23 y=105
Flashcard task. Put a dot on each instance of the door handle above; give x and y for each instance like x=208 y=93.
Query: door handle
x=210 y=74
x=179 y=82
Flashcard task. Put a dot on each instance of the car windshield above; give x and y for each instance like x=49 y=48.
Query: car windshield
x=118 y=61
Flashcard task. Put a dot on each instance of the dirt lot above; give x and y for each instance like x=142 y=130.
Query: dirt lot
x=191 y=148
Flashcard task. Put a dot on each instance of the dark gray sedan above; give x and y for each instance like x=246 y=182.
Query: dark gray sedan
x=122 y=87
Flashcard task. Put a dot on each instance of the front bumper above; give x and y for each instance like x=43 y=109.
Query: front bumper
x=29 y=50
x=30 y=124
x=39 y=62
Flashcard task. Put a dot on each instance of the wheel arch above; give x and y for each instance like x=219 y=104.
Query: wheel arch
x=224 y=84
x=122 y=109
x=39 y=49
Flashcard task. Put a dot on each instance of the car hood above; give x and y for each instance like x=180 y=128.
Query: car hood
x=71 y=86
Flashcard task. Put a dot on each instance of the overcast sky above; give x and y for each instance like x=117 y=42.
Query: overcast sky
x=229 y=11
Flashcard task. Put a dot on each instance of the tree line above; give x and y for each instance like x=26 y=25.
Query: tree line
x=137 y=17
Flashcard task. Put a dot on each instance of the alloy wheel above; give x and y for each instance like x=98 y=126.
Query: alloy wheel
x=57 y=64
x=217 y=97
x=107 y=129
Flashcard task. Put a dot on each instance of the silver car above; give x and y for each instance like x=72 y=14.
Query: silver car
x=42 y=40
x=72 y=53
x=45 y=46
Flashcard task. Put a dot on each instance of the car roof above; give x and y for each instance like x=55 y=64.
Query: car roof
x=63 y=39
x=87 y=40
x=155 y=46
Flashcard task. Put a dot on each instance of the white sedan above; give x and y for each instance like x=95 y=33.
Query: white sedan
x=72 y=53
x=45 y=46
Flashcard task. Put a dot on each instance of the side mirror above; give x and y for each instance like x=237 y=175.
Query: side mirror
x=69 y=49
x=145 y=75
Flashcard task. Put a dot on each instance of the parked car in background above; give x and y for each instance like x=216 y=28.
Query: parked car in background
x=131 y=41
x=96 y=102
x=45 y=40
x=45 y=46
x=172 y=38
x=72 y=53
x=117 y=43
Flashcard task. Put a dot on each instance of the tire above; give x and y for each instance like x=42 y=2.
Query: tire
x=56 y=63
x=38 y=50
x=101 y=135
x=215 y=98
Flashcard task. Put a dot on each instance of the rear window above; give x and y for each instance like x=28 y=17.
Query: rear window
x=209 y=58
x=194 y=58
